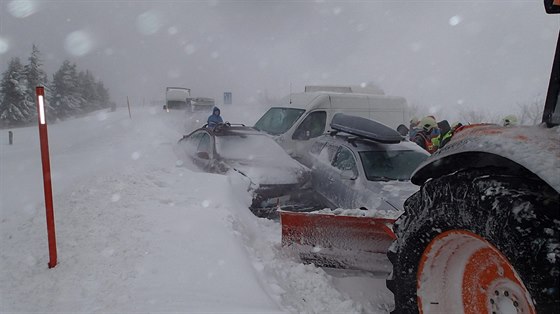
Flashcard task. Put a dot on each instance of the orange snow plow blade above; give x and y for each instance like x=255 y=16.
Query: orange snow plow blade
x=338 y=241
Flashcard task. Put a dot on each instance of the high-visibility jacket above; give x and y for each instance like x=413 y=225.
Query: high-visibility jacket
x=445 y=138
x=424 y=140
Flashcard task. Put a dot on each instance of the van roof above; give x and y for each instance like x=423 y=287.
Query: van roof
x=302 y=100
x=298 y=100
x=321 y=88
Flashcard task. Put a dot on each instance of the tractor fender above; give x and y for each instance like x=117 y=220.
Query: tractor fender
x=514 y=149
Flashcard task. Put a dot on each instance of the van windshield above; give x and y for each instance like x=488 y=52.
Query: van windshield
x=278 y=120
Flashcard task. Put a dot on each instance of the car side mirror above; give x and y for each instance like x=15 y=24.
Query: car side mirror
x=348 y=175
x=402 y=129
x=203 y=155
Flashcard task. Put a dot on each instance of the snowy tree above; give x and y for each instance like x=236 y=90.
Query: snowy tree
x=418 y=111
x=103 y=94
x=16 y=103
x=33 y=70
x=531 y=112
x=66 y=98
x=36 y=76
x=472 y=116
x=94 y=92
x=68 y=93
x=88 y=90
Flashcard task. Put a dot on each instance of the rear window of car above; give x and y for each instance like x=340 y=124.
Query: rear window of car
x=390 y=165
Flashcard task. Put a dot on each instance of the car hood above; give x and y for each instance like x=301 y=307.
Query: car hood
x=389 y=195
x=266 y=172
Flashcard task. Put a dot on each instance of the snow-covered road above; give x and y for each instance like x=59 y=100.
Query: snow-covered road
x=139 y=231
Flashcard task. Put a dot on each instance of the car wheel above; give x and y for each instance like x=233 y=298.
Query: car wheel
x=478 y=242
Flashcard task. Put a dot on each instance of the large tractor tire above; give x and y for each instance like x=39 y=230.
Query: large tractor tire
x=478 y=242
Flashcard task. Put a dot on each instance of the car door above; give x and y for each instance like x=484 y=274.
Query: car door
x=310 y=157
x=342 y=183
x=322 y=174
x=203 y=157
x=190 y=143
x=311 y=127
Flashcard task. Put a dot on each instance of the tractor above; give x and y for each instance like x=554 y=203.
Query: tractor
x=482 y=235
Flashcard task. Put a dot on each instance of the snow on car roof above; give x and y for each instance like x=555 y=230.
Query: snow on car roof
x=234 y=130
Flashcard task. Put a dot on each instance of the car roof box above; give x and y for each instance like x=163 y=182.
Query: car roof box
x=366 y=128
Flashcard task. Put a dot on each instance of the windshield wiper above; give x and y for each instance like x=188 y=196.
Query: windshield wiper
x=386 y=201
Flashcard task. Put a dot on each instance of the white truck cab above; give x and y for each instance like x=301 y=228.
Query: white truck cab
x=176 y=98
x=304 y=116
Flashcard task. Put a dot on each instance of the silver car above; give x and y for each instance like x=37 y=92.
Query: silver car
x=350 y=171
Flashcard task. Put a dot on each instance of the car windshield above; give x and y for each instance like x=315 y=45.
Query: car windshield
x=276 y=121
x=248 y=147
x=390 y=165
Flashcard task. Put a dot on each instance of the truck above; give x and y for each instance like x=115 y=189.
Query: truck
x=176 y=98
x=201 y=104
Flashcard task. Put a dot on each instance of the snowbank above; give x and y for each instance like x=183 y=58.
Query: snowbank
x=137 y=231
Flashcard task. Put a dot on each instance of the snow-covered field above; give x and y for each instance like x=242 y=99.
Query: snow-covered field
x=138 y=231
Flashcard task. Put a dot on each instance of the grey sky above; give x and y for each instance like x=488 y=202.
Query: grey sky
x=452 y=54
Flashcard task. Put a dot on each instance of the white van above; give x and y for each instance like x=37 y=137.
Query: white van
x=304 y=116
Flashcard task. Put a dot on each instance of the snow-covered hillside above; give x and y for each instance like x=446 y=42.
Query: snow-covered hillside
x=139 y=231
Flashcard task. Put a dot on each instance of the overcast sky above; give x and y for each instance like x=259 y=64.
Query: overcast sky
x=487 y=54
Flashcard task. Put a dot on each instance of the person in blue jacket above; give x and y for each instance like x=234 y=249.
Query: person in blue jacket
x=214 y=118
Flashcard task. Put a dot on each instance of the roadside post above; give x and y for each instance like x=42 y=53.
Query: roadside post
x=11 y=137
x=128 y=104
x=228 y=98
x=44 y=139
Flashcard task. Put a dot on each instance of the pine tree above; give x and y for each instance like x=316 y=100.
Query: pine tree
x=36 y=76
x=88 y=90
x=94 y=92
x=66 y=97
x=33 y=70
x=103 y=94
x=69 y=92
x=16 y=105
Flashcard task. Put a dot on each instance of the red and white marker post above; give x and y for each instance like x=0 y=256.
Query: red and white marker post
x=44 y=139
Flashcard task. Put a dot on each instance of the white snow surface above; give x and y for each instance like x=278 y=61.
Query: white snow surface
x=357 y=212
x=138 y=231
